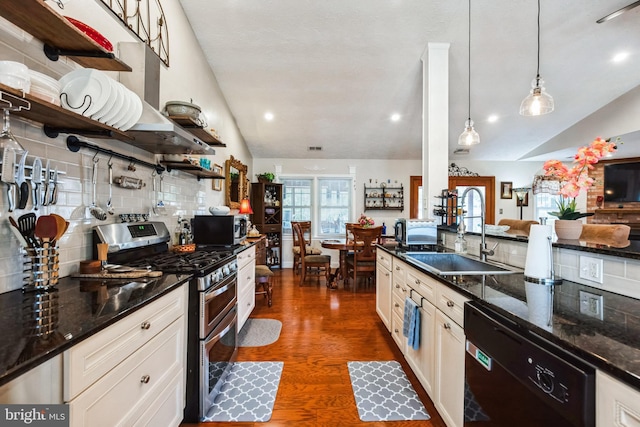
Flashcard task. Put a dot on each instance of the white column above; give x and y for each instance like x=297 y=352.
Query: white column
x=435 y=124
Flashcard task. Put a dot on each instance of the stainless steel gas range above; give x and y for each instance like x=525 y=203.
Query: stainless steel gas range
x=212 y=312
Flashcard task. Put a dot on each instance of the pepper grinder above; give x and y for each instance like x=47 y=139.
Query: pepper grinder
x=102 y=255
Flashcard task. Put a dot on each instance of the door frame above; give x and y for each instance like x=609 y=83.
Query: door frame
x=489 y=183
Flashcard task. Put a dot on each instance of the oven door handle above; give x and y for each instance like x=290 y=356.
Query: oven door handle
x=222 y=332
x=212 y=294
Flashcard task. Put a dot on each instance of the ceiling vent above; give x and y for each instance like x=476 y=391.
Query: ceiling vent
x=315 y=148
x=461 y=151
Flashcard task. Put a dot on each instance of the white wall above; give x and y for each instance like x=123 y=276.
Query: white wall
x=187 y=77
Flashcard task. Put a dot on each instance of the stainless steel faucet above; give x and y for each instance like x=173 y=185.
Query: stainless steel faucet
x=483 y=245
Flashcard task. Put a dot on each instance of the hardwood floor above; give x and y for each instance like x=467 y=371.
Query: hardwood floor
x=322 y=330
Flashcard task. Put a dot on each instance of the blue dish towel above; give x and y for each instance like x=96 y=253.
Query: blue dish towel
x=411 y=323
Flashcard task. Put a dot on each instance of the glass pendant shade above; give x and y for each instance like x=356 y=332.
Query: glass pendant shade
x=538 y=102
x=245 y=207
x=469 y=136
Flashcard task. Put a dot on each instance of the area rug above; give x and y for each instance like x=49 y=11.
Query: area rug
x=259 y=332
x=383 y=392
x=248 y=393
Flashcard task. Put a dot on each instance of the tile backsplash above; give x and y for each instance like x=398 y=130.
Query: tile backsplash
x=182 y=193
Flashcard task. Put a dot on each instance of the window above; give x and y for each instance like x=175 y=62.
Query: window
x=545 y=203
x=296 y=202
x=325 y=201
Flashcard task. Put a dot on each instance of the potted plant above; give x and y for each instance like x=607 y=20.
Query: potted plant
x=572 y=180
x=265 y=177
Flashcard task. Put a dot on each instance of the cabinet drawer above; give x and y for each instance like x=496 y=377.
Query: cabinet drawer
x=396 y=331
x=384 y=259
x=167 y=408
x=120 y=397
x=451 y=303
x=400 y=287
x=398 y=304
x=246 y=256
x=271 y=228
x=399 y=269
x=423 y=284
x=92 y=358
x=617 y=404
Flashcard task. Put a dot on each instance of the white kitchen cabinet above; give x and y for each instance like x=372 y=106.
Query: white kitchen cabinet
x=40 y=385
x=398 y=296
x=617 y=404
x=246 y=284
x=422 y=360
x=383 y=295
x=118 y=376
x=449 y=379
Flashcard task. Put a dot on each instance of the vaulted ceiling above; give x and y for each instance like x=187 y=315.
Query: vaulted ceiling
x=333 y=72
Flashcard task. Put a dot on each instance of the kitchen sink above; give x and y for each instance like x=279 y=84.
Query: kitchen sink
x=454 y=264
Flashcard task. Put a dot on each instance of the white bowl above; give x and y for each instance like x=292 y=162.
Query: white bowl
x=489 y=228
x=219 y=210
x=14 y=68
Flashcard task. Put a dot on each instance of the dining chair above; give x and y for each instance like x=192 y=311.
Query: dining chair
x=311 y=261
x=363 y=262
x=305 y=226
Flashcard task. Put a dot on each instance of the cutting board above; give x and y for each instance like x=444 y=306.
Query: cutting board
x=136 y=274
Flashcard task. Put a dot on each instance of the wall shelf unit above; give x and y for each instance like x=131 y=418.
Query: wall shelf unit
x=190 y=168
x=59 y=36
x=384 y=197
x=189 y=124
x=266 y=201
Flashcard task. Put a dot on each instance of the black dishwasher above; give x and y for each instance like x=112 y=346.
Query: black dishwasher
x=514 y=377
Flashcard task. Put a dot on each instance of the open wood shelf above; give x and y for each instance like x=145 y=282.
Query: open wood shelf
x=65 y=121
x=197 y=130
x=192 y=169
x=38 y=19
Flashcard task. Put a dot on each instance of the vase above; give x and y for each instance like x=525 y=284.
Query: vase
x=568 y=229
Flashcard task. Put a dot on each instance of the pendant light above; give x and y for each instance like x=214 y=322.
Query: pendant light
x=469 y=136
x=538 y=101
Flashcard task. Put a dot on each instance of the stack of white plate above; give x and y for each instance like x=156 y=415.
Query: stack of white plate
x=15 y=75
x=94 y=94
x=44 y=87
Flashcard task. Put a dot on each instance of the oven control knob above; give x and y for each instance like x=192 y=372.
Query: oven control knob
x=545 y=381
x=226 y=270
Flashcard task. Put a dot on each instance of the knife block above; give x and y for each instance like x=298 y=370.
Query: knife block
x=43 y=268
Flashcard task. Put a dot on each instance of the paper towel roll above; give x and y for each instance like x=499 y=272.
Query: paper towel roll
x=537 y=264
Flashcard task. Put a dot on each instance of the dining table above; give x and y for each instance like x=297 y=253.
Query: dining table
x=345 y=245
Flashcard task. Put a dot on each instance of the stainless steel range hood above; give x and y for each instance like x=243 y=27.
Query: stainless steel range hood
x=159 y=135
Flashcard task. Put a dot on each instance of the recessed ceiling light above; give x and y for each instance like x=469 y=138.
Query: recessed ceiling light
x=395 y=117
x=619 y=57
x=493 y=118
x=268 y=116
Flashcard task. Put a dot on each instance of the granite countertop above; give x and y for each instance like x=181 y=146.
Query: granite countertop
x=75 y=311
x=630 y=248
x=612 y=344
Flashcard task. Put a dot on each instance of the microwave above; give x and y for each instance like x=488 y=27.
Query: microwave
x=414 y=232
x=223 y=230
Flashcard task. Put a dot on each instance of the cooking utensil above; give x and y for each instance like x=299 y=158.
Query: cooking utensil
x=61 y=227
x=94 y=209
x=45 y=187
x=21 y=182
x=160 y=208
x=135 y=274
x=36 y=181
x=8 y=175
x=46 y=229
x=110 y=210
x=54 y=188
x=16 y=231
x=27 y=226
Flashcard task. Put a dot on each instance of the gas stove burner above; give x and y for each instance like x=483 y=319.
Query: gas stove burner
x=196 y=262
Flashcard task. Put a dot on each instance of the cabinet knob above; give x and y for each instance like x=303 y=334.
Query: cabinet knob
x=417 y=281
x=145 y=379
x=447 y=326
x=450 y=304
x=397 y=286
x=397 y=305
x=396 y=331
x=397 y=268
x=145 y=325
x=386 y=274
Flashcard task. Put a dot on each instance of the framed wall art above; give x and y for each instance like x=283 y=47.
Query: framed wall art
x=216 y=184
x=506 y=190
